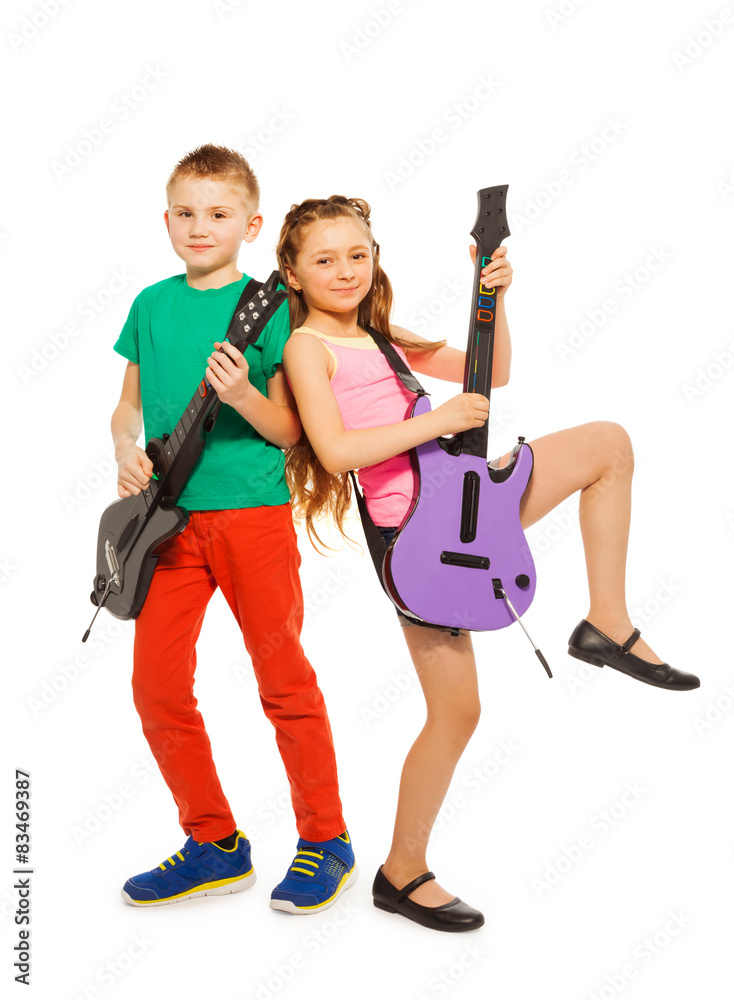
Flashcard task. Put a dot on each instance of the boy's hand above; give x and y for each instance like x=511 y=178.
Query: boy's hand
x=498 y=273
x=134 y=470
x=228 y=373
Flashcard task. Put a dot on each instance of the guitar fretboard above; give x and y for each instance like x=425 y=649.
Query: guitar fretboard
x=197 y=410
x=489 y=230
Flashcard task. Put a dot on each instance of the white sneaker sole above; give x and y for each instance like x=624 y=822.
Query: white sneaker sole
x=288 y=907
x=224 y=889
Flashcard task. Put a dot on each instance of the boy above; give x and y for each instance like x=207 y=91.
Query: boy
x=240 y=537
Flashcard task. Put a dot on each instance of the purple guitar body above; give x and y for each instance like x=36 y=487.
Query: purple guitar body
x=460 y=555
x=431 y=572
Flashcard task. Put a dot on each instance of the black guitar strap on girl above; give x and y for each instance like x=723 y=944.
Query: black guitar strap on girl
x=378 y=547
x=375 y=542
x=397 y=364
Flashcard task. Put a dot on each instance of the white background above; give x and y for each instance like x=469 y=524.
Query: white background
x=617 y=149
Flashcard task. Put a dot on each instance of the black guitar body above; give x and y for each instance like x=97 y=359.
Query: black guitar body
x=130 y=570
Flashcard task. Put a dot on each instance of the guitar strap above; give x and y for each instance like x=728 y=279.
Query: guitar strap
x=397 y=364
x=257 y=303
x=247 y=323
x=375 y=542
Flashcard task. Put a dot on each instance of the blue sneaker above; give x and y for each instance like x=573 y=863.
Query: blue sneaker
x=320 y=873
x=195 y=870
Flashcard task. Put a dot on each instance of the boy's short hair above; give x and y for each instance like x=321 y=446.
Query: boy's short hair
x=222 y=163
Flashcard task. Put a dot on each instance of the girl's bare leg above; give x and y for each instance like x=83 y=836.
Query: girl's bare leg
x=447 y=671
x=597 y=459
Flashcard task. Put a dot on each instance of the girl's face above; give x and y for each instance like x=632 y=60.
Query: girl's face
x=334 y=268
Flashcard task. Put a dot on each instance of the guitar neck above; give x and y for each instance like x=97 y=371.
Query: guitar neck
x=489 y=231
x=202 y=406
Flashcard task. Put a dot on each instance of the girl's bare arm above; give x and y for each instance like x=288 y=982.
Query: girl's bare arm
x=338 y=449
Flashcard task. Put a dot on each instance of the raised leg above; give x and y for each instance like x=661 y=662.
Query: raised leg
x=597 y=459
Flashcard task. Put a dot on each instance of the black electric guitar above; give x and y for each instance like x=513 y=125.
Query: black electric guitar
x=133 y=530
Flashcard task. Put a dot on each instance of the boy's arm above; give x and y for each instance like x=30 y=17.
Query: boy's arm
x=134 y=468
x=448 y=363
x=274 y=416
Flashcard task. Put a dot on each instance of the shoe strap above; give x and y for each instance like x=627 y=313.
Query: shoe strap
x=407 y=889
x=626 y=646
x=339 y=848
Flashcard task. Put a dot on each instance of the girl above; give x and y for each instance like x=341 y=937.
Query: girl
x=352 y=409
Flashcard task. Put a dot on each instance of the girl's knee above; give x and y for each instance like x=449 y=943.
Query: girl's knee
x=615 y=444
x=470 y=720
x=458 y=721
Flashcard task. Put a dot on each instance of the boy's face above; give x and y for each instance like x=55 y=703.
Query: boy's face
x=207 y=221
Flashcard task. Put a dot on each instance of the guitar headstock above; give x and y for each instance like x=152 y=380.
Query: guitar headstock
x=491 y=227
x=256 y=312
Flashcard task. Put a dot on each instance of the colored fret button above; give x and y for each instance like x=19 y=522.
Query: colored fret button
x=202 y=389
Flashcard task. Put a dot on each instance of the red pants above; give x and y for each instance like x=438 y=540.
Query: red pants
x=252 y=555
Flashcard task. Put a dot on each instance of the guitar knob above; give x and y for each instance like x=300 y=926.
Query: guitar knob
x=522 y=581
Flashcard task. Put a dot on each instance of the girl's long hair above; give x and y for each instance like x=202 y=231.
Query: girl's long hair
x=314 y=491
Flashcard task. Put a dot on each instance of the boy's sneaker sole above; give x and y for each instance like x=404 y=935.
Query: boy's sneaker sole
x=226 y=887
x=348 y=879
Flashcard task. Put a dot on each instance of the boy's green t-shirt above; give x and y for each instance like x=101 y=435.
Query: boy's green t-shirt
x=170 y=332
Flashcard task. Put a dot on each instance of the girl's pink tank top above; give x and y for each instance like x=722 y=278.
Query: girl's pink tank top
x=369 y=394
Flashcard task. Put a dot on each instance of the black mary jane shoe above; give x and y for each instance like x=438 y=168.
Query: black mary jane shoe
x=587 y=643
x=453 y=916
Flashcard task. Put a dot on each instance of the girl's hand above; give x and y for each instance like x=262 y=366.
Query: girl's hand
x=134 y=470
x=228 y=373
x=498 y=273
x=468 y=409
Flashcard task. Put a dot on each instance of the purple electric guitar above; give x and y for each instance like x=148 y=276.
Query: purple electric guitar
x=460 y=558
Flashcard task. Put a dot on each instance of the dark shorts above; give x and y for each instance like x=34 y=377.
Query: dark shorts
x=387 y=534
